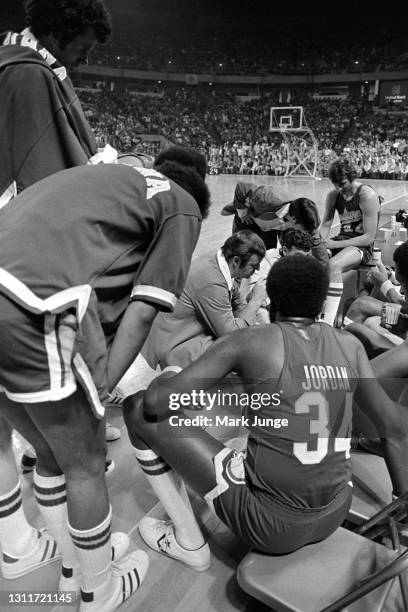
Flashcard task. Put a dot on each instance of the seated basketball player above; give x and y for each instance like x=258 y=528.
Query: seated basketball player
x=358 y=207
x=292 y=486
x=88 y=257
x=382 y=324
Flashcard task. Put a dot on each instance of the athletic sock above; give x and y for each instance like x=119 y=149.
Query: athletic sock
x=171 y=491
x=93 y=547
x=51 y=495
x=17 y=536
x=332 y=302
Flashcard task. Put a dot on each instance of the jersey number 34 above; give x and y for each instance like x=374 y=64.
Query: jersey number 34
x=320 y=428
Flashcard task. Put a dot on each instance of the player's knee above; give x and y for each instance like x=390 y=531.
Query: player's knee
x=137 y=424
x=334 y=266
x=46 y=463
x=356 y=308
x=84 y=466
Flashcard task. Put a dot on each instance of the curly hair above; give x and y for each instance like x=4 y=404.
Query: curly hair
x=67 y=19
x=299 y=239
x=297 y=286
x=184 y=156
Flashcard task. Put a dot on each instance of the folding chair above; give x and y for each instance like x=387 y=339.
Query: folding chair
x=346 y=571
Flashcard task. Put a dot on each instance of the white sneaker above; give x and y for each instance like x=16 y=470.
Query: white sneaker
x=125 y=579
x=159 y=535
x=44 y=551
x=109 y=466
x=112 y=433
x=71 y=577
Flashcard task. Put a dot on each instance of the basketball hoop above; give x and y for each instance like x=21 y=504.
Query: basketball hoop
x=299 y=140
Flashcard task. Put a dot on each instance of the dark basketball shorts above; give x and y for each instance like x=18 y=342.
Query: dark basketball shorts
x=39 y=361
x=365 y=252
x=266 y=523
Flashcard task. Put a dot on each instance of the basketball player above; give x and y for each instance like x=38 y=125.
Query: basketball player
x=292 y=486
x=43 y=130
x=88 y=256
x=358 y=207
x=42 y=124
x=382 y=324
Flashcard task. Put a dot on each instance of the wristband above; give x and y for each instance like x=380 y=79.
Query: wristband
x=386 y=286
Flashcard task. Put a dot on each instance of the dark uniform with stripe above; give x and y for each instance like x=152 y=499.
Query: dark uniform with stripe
x=74 y=248
x=351 y=222
x=293 y=487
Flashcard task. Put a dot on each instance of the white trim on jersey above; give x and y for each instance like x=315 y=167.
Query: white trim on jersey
x=58 y=302
x=222 y=484
x=8 y=194
x=88 y=384
x=49 y=395
x=155 y=294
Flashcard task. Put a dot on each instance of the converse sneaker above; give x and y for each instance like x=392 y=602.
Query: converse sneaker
x=44 y=551
x=125 y=578
x=71 y=576
x=159 y=535
x=112 y=433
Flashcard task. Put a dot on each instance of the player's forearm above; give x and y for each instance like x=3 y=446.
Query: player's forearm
x=129 y=339
x=396 y=459
x=248 y=313
x=394 y=296
x=324 y=230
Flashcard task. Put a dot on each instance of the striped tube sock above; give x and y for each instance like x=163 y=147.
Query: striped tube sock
x=51 y=495
x=171 y=491
x=332 y=302
x=93 y=547
x=17 y=536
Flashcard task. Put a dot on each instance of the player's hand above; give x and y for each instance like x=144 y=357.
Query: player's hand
x=259 y=292
x=247 y=220
x=378 y=274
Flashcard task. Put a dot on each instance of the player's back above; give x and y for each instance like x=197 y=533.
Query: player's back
x=304 y=458
x=90 y=224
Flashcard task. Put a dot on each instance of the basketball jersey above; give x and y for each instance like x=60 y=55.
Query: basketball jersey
x=351 y=215
x=115 y=230
x=307 y=462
